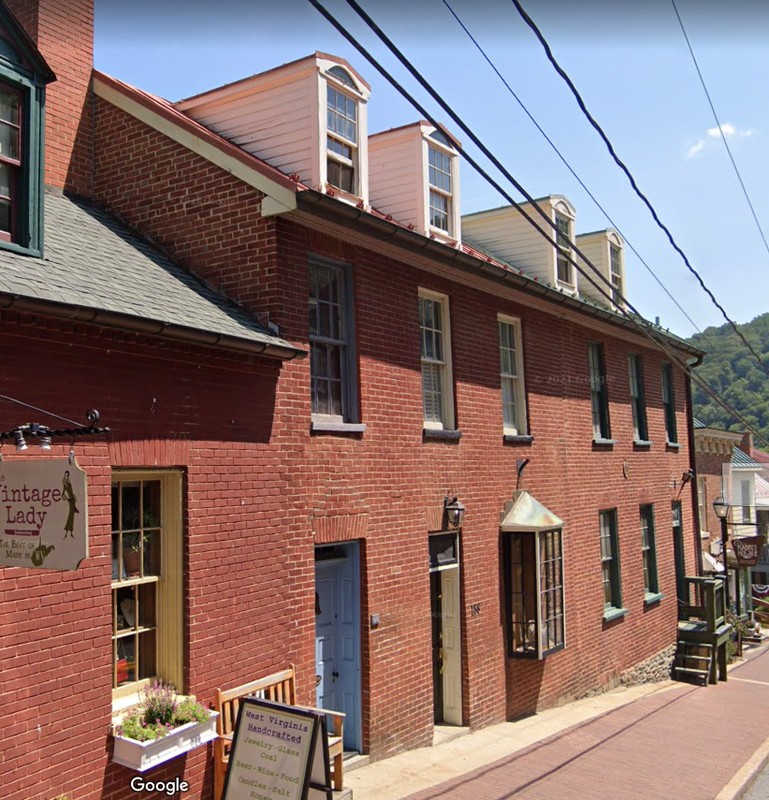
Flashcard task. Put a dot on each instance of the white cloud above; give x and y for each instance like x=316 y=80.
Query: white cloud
x=714 y=134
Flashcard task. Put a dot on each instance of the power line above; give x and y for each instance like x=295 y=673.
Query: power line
x=720 y=127
x=568 y=166
x=476 y=140
x=646 y=328
x=581 y=103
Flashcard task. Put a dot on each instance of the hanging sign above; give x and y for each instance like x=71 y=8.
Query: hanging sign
x=43 y=514
x=747 y=549
x=273 y=754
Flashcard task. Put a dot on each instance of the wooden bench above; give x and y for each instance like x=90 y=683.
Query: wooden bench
x=279 y=688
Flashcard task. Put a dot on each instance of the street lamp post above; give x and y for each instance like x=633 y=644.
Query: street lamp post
x=721 y=507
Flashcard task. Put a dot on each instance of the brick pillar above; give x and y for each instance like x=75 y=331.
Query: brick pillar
x=63 y=32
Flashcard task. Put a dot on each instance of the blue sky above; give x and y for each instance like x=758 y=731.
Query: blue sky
x=630 y=62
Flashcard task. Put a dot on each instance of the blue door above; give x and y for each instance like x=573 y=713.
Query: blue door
x=337 y=635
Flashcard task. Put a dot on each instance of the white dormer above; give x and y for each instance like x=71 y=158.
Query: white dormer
x=606 y=251
x=307 y=118
x=505 y=233
x=414 y=177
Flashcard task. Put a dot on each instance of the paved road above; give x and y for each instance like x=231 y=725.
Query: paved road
x=687 y=743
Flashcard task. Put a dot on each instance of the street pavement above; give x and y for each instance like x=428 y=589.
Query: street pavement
x=668 y=740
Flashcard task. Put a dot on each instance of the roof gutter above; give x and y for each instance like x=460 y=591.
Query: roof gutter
x=324 y=206
x=141 y=325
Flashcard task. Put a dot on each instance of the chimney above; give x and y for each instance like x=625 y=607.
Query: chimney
x=63 y=33
x=746 y=444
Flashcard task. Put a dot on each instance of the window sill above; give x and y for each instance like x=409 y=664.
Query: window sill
x=607 y=444
x=327 y=426
x=17 y=248
x=652 y=598
x=672 y=446
x=517 y=438
x=441 y=435
x=641 y=444
x=610 y=614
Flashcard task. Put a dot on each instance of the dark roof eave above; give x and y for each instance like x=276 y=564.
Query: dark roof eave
x=317 y=203
x=133 y=324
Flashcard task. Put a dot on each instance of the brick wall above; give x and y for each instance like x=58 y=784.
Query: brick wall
x=212 y=416
x=63 y=32
x=260 y=490
x=352 y=475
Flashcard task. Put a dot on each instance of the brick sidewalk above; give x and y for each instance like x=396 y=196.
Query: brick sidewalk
x=687 y=743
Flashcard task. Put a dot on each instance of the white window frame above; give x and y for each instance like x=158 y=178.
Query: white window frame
x=615 y=273
x=514 y=380
x=447 y=419
x=344 y=344
x=563 y=248
x=440 y=192
x=169 y=617
x=535 y=593
x=354 y=144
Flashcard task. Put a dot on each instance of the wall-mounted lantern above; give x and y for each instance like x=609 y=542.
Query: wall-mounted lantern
x=453 y=513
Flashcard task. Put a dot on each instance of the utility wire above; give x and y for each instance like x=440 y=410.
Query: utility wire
x=39 y=410
x=568 y=166
x=551 y=58
x=644 y=326
x=720 y=127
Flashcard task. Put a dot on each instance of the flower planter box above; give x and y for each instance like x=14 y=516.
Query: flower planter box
x=141 y=756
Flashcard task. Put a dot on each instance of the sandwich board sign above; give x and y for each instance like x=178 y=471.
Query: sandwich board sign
x=278 y=752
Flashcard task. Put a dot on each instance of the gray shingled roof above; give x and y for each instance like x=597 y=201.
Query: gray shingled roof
x=95 y=263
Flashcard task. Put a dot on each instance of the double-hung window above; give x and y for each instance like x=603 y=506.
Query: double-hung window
x=511 y=376
x=564 y=269
x=439 y=178
x=535 y=601
x=599 y=397
x=637 y=398
x=649 y=552
x=615 y=272
x=341 y=140
x=610 y=568
x=332 y=357
x=437 y=387
x=10 y=160
x=146 y=579
x=669 y=404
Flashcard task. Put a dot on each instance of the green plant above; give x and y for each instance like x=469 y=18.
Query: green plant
x=739 y=630
x=159 y=712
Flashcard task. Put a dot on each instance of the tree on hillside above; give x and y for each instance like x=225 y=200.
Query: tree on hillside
x=731 y=370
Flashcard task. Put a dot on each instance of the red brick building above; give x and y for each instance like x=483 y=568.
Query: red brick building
x=192 y=254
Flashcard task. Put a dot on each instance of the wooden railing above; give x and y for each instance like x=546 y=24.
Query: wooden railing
x=706 y=602
x=761 y=610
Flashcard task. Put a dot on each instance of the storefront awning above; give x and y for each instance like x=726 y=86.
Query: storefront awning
x=710 y=564
x=525 y=514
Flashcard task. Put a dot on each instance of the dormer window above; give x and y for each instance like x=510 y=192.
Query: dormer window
x=10 y=160
x=564 y=268
x=23 y=76
x=615 y=272
x=342 y=140
x=440 y=189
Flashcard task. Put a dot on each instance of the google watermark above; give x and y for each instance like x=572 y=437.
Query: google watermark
x=169 y=788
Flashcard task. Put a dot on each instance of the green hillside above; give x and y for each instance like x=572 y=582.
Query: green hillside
x=731 y=370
